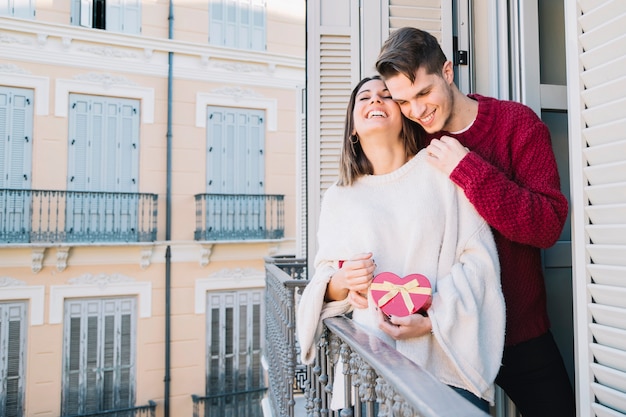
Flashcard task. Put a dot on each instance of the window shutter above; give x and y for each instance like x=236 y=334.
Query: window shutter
x=600 y=34
x=114 y=15
x=16 y=127
x=131 y=22
x=425 y=15
x=258 y=29
x=235 y=150
x=99 y=355
x=235 y=341
x=12 y=345
x=78 y=142
x=216 y=23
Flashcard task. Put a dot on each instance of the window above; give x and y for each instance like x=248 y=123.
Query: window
x=103 y=159
x=113 y=15
x=24 y=9
x=12 y=347
x=235 y=336
x=16 y=145
x=237 y=24
x=99 y=355
x=235 y=150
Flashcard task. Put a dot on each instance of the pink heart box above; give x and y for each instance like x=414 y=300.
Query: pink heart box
x=401 y=296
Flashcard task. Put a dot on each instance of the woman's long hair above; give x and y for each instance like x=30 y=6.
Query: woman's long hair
x=353 y=162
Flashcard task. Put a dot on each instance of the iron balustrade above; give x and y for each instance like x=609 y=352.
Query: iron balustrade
x=234 y=404
x=286 y=374
x=139 y=411
x=239 y=217
x=376 y=378
x=52 y=216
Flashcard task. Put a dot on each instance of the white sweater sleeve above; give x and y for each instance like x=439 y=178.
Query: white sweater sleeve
x=468 y=310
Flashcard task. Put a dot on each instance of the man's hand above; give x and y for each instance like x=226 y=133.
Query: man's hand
x=446 y=153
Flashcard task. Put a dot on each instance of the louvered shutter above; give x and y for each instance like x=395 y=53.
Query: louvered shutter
x=301 y=206
x=99 y=355
x=235 y=342
x=16 y=127
x=601 y=42
x=12 y=345
x=235 y=150
x=24 y=9
x=424 y=14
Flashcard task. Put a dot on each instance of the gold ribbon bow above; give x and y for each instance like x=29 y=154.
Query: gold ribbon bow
x=411 y=287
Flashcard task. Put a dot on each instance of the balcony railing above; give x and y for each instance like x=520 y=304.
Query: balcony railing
x=51 y=216
x=139 y=411
x=285 y=373
x=239 y=217
x=236 y=404
x=376 y=379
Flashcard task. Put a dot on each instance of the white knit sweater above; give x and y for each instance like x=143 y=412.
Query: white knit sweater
x=415 y=220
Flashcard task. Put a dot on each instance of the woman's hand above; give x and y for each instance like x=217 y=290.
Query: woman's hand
x=399 y=328
x=352 y=280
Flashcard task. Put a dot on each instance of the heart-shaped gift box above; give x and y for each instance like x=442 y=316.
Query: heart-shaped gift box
x=401 y=296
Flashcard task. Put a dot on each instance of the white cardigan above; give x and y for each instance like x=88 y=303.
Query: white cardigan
x=415 y=220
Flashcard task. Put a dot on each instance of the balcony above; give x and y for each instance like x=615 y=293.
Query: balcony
x=376 y=379
x=52 y=216
x=139 y=411
x=239 y=217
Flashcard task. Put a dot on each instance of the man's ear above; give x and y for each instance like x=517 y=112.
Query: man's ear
x=447 y=72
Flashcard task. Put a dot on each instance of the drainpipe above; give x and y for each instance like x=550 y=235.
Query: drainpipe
x=168 y=218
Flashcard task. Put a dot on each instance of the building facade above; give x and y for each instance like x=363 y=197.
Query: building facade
x=565 y=60
x=147 y=167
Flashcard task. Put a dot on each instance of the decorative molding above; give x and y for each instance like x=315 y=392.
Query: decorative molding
x=17 y=77
x=37 y=259
x=108 y=52
x=101 y=285
x=236 y=97
x=63 y=253
x=226 y=280
x=205 y=254
x=146 y=256
x=13 y=289
x=12 y=68
x=237 y=93
x=240 y=67
x=64 y=87
x=100 y=280
x=20 y=40
x=107 y=80
x=11 y=282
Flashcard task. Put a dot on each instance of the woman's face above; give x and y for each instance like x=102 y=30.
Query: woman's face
x=375 y=111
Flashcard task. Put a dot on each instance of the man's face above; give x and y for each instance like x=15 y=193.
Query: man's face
x=427 y=101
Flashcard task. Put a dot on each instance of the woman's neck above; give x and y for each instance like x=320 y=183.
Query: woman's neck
x=384 y=156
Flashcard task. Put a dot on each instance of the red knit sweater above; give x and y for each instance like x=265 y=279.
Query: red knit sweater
x=511 y=177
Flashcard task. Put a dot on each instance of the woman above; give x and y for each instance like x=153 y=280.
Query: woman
x=391 y=206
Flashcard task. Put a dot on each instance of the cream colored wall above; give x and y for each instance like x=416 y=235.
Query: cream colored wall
x=47 y=51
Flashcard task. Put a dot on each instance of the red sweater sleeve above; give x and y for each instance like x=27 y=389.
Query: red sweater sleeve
x=511 y=175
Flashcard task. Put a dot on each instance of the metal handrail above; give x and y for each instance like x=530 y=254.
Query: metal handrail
x=57 y=216
x=141 y=410
x=239 y=217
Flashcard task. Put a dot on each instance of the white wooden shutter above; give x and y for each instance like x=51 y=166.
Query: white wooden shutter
x=598 y=123
x=333 y=69
x=301 y=206
x=12 y=353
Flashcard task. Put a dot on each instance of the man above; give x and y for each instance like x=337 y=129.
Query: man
x=499 y=153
